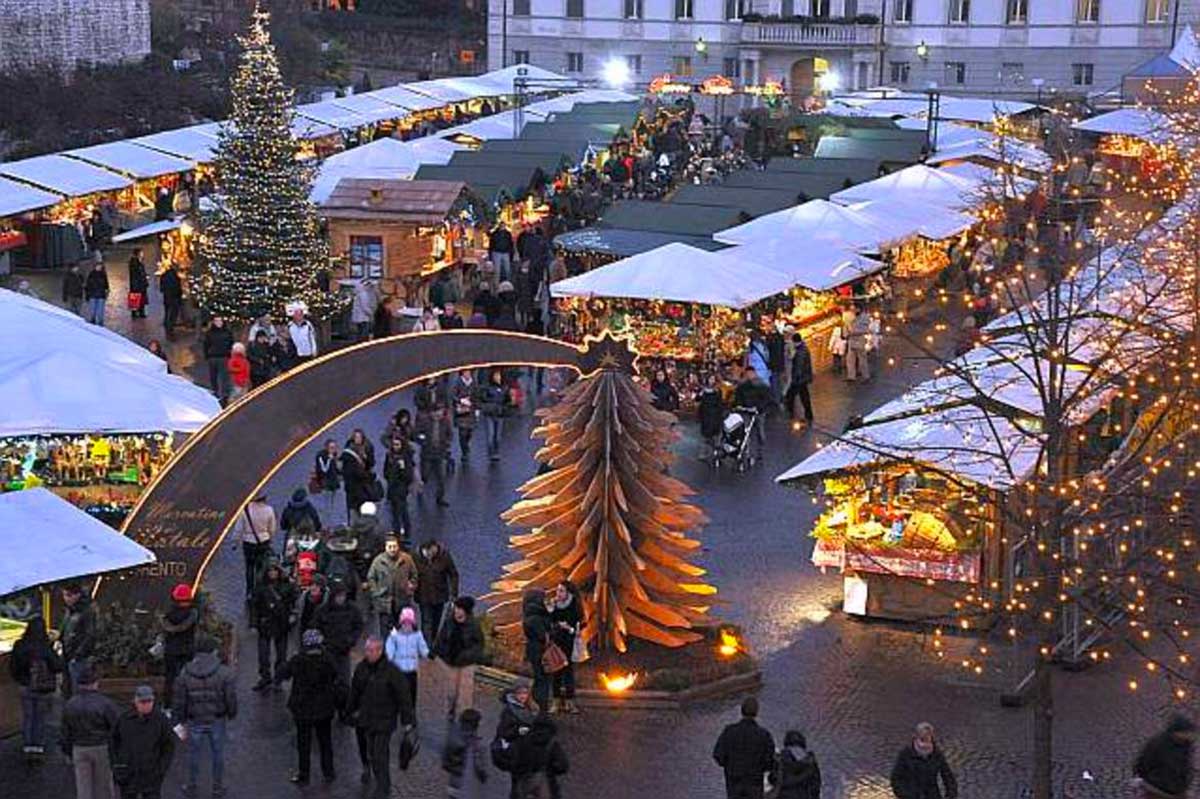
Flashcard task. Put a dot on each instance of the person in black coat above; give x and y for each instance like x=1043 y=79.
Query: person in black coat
x=378 y=695
x=274 y=607
x=139 y=283
x=663 y=394
x=746 y=752
x=437 y=584
x=796 y=774
x=566 y=622
x=263 y=363
x=179 y=637
x=172 y=293
x=358 y=481
x=299 y=516
x=711 y=409
x=95 y=290
x=459 y=646
x=775 y=362
x=535 y=624
x=142 y=747
x=1165 y=763
x=318 y=691
x=398 y=469
x=802 y=376
x=218 y=344
x=919 y=766
x=72 y=290
x=34 y=666
x=341 y=624
x=538 y=761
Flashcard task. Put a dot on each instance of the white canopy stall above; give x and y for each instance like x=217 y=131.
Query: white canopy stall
x=916 y=186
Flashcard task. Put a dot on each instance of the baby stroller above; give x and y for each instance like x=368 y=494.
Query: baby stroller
x=736 y=444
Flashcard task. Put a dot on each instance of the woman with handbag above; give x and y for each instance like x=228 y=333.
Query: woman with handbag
x=327 y=475
x=139 y=286
x=255 y=526
x=566 y=619
x=535 y=623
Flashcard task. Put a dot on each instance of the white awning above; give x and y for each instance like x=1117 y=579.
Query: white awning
x=382 y=158
x=497 y=126
x=132 y=160
x=980 y=110
x=1006 y=151
x=1141 y=123
x=196 y=143
x=404 y=97
x=917 y=185
x=332 y=114
x=371 y=108
x=678 y=273
x=64 y=175
x=17 y=198
x=499 y=82
x=816 y=265
x=152 y=229
x=815 y=220
x=69 y=543
x=446 y=90
x=307 y=128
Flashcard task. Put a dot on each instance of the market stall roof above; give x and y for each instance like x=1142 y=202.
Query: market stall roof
x=981 y=110
x=990 y=182
x=421 y=202
x=132 y=160
x=624 y=114
x=489 y=183
x=855 y=170
x=686 y=220
x=810 y=185
x=919 y=185
x=152 y=229
x=70 y=391
x=997 y=151
x=64 y=175
x=893 y=133
x=504 y=125
x=678 y=273
x=1141 y=123
x=567 y=102
x=550 y=163
x=575 y=151
x=371 y=108
x=45 y=328
x=904 y=221
x=816 y=220
x=621 y=243
x=817 y=265
x=333 y=115
x=1161 y=66
x=754 y=202
x=949 y=134
x=69 y=542
x=18 y=198
x=404 y=97
x=500 y=82
x=307 y=128
x=890 y=151
x=446 y=90
x=382 y=158
x=962 y=442
x=598 y=133
x=196 y=143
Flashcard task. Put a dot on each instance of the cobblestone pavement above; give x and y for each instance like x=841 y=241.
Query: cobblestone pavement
x=854 y=688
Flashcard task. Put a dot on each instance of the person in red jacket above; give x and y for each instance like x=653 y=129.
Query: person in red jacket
x=239 y=371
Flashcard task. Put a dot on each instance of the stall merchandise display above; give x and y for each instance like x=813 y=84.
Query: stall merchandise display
x=71 y=463
x=10 y=631
x=920 y=257
x=678 y=331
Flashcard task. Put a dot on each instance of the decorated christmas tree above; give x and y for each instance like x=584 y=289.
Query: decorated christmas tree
x=609 y=518
x=261 y=243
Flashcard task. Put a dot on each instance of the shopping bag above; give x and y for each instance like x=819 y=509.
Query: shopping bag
x=410 y=744
x=554 y=659
x=579 y=651
x=134 y=300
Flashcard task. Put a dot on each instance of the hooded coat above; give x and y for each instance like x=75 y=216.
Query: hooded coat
x=1165 y=762
x=317 y=688
x=204 y=691
x=340 y=624
x=78 y=630
x=535 y=624
x=796 y=775
x=915 y=776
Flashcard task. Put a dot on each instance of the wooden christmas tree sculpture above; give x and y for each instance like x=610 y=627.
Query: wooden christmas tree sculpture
x=608 y=517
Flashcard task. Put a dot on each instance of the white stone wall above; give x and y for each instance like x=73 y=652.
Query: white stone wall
x=64 y=34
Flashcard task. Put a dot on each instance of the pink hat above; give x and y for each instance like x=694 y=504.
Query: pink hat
x=408 y=615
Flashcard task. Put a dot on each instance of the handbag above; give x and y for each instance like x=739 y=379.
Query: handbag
x=375 y=491
x=315 y=484
x=410 y=744
x=554 y=659
x=579 y=650
x=134 y=300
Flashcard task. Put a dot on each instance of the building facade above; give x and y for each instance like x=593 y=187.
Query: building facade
x=65 y=34
x=993 y=47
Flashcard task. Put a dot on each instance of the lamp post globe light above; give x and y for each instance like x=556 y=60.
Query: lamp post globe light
x=616 y=73
x=922 y=50
x=702 y=47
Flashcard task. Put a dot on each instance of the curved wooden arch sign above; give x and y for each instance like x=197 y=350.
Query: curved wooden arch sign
x=186 y=512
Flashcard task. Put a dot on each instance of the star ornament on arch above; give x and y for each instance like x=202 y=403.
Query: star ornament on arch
x=607 y=351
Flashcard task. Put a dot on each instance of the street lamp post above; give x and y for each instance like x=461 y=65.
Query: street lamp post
x=503 y=34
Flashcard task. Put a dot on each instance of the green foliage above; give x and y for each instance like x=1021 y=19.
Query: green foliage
x=262 y=244
x=124 y=636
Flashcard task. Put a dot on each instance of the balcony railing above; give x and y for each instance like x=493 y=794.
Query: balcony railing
x=812 y=34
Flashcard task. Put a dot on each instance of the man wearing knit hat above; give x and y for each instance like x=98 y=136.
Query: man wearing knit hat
x=142 y=748
x=460 y=647
x=317 y=693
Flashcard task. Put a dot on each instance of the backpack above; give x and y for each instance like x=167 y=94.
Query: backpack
x=41 y=676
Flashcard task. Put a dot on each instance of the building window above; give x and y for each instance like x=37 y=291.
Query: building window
x=520 y=8
x=681 y=66
x=1157 y=10
x=575 y=9
x=366 y=256
x=574 y=62
x=1082 y=74
x=1087 y=10
x=734 y=9
x=903 y=11
x=820 y=9
x=900 y=71
x=520 y=56
x=1016 y=12
x=731 y=68
x=683 y=9
x=960 y=12
x=634 y=9
x=956 y=72
x=1012 y=72
x=634 y=63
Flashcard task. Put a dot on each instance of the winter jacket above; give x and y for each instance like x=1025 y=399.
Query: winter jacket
x=515 y=719
x=26 y=653
x=179 y=632
x=378 y=694
x=464 y=398
x=398 y=472
x=405 y=650
x=570 y=614
x=296 y=513
x=391 y=581
x=88 y=719
x=171 y=287
x=318 y=690
x=539 y=753
x=428 y=395
x=796 y=774
x=775 y=352
x=309 y=608
x=915 y=776
x=273 y=604
x=204 y=691
x=340 y=624
x=239 y=370
x=434 y=436
x=464 y=751
x=357 y=478
x=535 y=624
x=1165 y=762
x=218 y=342
x=141 y=750
x=437 y=575
x=95 y=286
x=328 y=471
x=752 y=394
x=78 y=630
x=711 y=410
x=459 y=644
x=802 y=366
x=500 y=240
x=72 y=286
x=137 y=276
x=262 y=363
x=746 y=752
x=492 y=399
x=664 y=396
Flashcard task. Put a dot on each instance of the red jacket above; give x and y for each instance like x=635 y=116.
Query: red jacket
x=239 y=370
